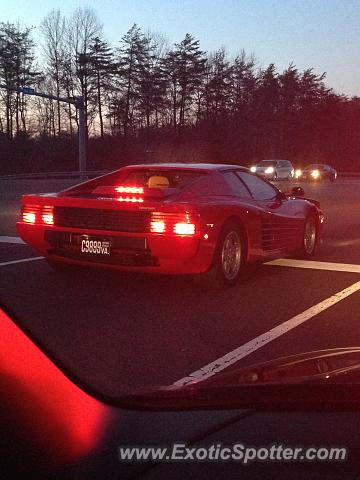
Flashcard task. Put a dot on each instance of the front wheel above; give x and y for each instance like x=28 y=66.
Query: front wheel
x=310 y=237
x=229 y=256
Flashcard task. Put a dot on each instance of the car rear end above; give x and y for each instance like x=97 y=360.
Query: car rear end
x=126 y=227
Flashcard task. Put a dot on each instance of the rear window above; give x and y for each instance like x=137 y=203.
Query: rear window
x=160 y=178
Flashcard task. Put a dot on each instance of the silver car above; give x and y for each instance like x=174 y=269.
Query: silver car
x=274 y=169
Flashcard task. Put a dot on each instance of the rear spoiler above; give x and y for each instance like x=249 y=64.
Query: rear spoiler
x=112 y=192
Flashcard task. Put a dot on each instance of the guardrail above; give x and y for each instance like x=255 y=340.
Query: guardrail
x=92 y=174
x=53 y=175
x=348 y=174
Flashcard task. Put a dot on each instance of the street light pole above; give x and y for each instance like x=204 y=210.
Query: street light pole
x=78 y=102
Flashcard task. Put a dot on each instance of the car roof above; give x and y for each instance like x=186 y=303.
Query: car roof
x=274 y=160
x=189 y=166
x=317 y=165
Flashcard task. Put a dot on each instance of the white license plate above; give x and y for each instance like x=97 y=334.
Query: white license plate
x=95 y=247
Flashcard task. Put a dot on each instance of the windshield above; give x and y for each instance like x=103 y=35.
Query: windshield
x=267 y=163
x=134 y=286
x=314 y=167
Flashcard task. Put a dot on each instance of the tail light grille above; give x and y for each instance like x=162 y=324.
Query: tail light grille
x=37 y=214
x=183 y=224
x=174 y=223
x=99 y=219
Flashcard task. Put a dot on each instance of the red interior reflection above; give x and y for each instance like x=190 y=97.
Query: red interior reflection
x=53 y=412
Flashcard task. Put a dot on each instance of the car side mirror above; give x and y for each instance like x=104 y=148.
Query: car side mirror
x=296 y=192
x=280 y=195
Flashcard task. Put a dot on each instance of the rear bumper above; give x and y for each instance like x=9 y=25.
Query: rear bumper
x=269 y=176
x=310 y=178
x=158 y=254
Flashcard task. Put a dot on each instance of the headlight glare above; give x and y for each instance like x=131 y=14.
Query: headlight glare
x=315 y=174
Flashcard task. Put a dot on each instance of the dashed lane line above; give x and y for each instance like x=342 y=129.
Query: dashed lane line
x=333 y=267
x=12 y=262
x=6 y=239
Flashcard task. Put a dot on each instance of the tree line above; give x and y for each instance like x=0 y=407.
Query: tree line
x=148 y=100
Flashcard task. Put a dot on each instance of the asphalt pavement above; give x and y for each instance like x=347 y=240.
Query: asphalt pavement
x=124 y=331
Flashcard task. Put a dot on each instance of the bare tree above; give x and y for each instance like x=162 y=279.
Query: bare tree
x=16 y=70
x=53 y=29
x=82 y=30
x=132 y=58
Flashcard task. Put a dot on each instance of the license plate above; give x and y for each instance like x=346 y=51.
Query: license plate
x=95 y=246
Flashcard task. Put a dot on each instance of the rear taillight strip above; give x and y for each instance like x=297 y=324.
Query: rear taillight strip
x=37 y=214
x=183 y=224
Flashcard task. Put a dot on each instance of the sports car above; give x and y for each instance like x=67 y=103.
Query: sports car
x=173 y=219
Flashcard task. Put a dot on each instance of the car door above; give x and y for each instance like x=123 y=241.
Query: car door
x=327 y=172
x=289 y=170
x=282 y=218
x=281 y=169
x=285 y=169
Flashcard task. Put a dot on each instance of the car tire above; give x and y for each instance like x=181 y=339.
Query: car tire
x=229 y=256
x=332 y=178
x=309 y=237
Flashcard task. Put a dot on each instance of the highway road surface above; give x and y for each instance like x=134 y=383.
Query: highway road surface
x=123 y=331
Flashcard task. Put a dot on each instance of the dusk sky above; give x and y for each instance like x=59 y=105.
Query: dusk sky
x=324 y=34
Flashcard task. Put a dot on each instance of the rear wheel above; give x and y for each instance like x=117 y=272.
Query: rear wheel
x=310 y=237
x=229 y=256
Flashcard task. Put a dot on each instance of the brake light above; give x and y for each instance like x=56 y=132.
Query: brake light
x=48 y=215
x=130 y=199
x=157 y=226
x=184 y=224
x=130 y=190
x=37 y=214
x=184 y=229
x=29 y=217
x=134 y=190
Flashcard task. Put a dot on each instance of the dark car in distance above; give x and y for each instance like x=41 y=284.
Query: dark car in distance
x=317 y=172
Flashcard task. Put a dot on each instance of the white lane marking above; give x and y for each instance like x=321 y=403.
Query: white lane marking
x=21 y=261
x=5 y=239
x=258 y=342
x=334 y=267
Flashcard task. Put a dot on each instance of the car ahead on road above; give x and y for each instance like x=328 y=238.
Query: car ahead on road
x=316 y=172
x=171 y=218
x=274 y=169
x=289 y=417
